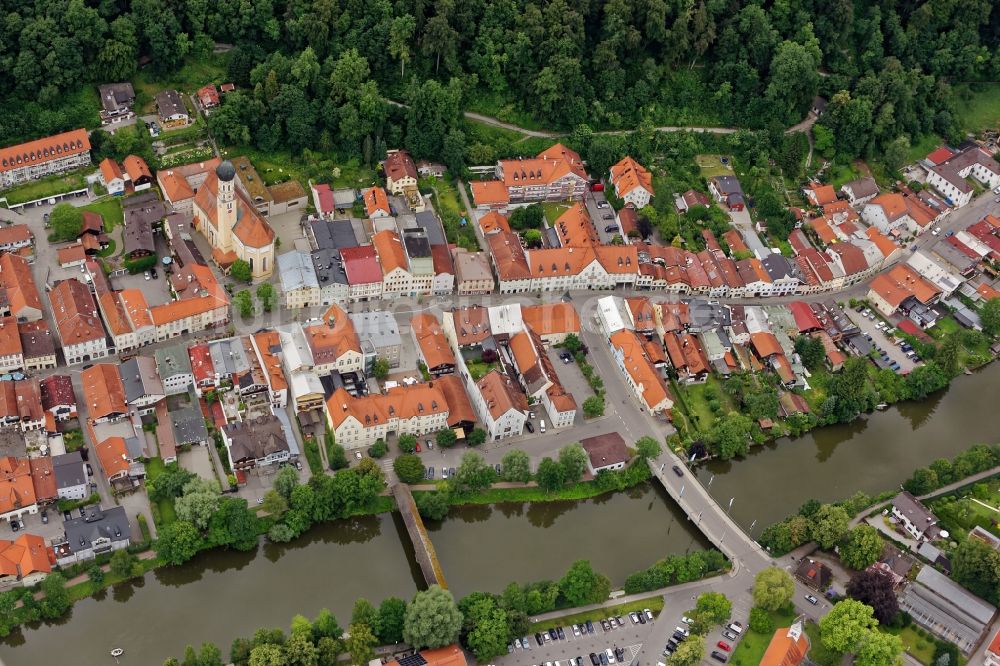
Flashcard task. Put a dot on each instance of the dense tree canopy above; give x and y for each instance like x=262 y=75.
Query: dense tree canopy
x=313 y=74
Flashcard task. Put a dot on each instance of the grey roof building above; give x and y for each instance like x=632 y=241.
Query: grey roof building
x=188 y=425
x=427 y=220
x=328 y=267
x=169 y=103
x=116 y=97
x=260 y=441
x=333 y=234
x=98 y=531
x=142 y=383
x=297 y=271
x=379 y=334
x=173 y=364
x=946 y=609
x=69 y=470
x=779 y=267
x=228 y=356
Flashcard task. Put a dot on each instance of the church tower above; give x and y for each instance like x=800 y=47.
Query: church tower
x=226 y=204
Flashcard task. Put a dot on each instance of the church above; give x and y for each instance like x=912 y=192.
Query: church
x=232 y=225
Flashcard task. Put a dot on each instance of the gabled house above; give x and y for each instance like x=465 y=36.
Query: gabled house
x=633 y=183
x=111 y=176
x=97 y=532
x=417 y=409
x=555 y=174
x=376 y=203
x=261 y=442
x=915 y=518
x=171 y=108
x=640 y=374
x=727 y=190
x=431 y=344
x=949 y=176
x=58 y=397
x=103 y=393
x=500 y=405
x=80 y=328
x=400 y=172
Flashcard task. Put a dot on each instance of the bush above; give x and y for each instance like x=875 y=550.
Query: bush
x=409 y=468
x=141 y=264
x=760 y=621
x=378 y=449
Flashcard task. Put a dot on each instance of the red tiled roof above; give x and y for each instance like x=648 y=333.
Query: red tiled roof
x=361 y=265
x=805 y=318
x=44 y=150
x=941 y=154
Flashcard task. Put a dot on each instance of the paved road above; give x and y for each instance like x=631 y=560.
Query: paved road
x=944 y=490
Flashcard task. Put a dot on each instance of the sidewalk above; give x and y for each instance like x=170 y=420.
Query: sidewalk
x=82 y=578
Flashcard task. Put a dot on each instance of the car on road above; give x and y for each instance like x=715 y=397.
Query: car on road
x=611 y=228
x=152 y=271
x=528 y=426
x=725 y=646
x=677 y=470
x=811 y=599
x=936 y=232
x=608 y=216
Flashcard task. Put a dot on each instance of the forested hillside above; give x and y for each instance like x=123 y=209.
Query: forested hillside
x=313 y=71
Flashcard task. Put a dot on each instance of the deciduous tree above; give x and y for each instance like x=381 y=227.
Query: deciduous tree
x=515 y=466
x=862 y=547
x=846 y=626
x=773 y=588
x=582 y=585
x=432 y=619
x=409 y=468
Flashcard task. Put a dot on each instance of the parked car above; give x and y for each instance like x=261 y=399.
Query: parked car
x=497 y=468
x=611 y=228
x=576 y=630
x=718 y=656
x=417 y=449
x=146 y=275
x=635 y=618
x=685 y=619
x=517 y=643
x=528 y=426
x=730 y=635
x=610 y=655
x=590 y=627
x=14 y=525
x=735 y=626
x=604 y=659
x=357 y=454
x=594 y=661
x=649 y=614
x=725 y=646
x=642 y=619
x=553 y=635
x=152 y=271
x=45 y=517
x=561 y=633
x=684 y=631
x=605 y=625
x=538 y=639
x=620 y=654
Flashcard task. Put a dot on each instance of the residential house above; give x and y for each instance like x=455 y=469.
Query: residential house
x=78 y=323
x=915 y=518
x=605 y=452
x=539 y=380
x=551 y=322
x=179 y=184
x=642 y=377
x=208 y=95
x=691 y=199
x=860 y=191
x=365 y=279
x=993 y=651
x=143 y=387
x=103 y=393
x=400 y=172
x=97 y=532
x=270 y=350
x=895 y=214
x=17 y=491
x=431 y=344
x=38 y=345
x=58 y=397
x=173 y=366
x=202 y=304
x=444 y=272
x=299 y=283
x=492 y=222
x=633 y=183
x=137 y=172
x=510 y=262
x=11 y=350
x=556 y=174
x=727 y=190
x=334 y=344
x=890 y=291
x=171 y=108
x=376 y=203
x=22 y=299
x=42 y=157
x=21 y=405
x=820 y=195
x=416 y=409
x=490 y=195
x=814 y=574
x=420 y=259
x=259 y=442
x=72 y=480
x=24 y=561
x=111 y=176
x=379 y=336
x=116 y=100
x=202 y=368
x=472 y=272
x=501 y=407
x=141 y=213
x=397 y=279
x=949 y=177
x=932 y=271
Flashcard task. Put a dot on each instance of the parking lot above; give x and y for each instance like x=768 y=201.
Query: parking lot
x=602 y=214
x=624 y=642
x=572 y=380
x=880 y=340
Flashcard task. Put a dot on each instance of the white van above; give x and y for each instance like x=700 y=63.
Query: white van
x=541 y=425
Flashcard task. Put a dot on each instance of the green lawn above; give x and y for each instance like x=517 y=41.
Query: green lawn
x=110 y=209
x=46 y=187
x=841 y=173
x=817 y=653
x=655 y=604
x=923 y=146
x=478 y=369
x=697 y=396
x=553 y=211
x=449 y=207
x=752 y=645
x=163 y=511
x=944 y=326
x=711 y=165
x=313 y=456
x=919 y=648
x=981 y=109
x=73 y=440
x=195 y=73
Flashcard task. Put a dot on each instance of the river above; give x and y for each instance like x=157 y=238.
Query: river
x=221 y=595
x=873 y=454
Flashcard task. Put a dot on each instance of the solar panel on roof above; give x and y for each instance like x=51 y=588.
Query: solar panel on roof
x=413 y=660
